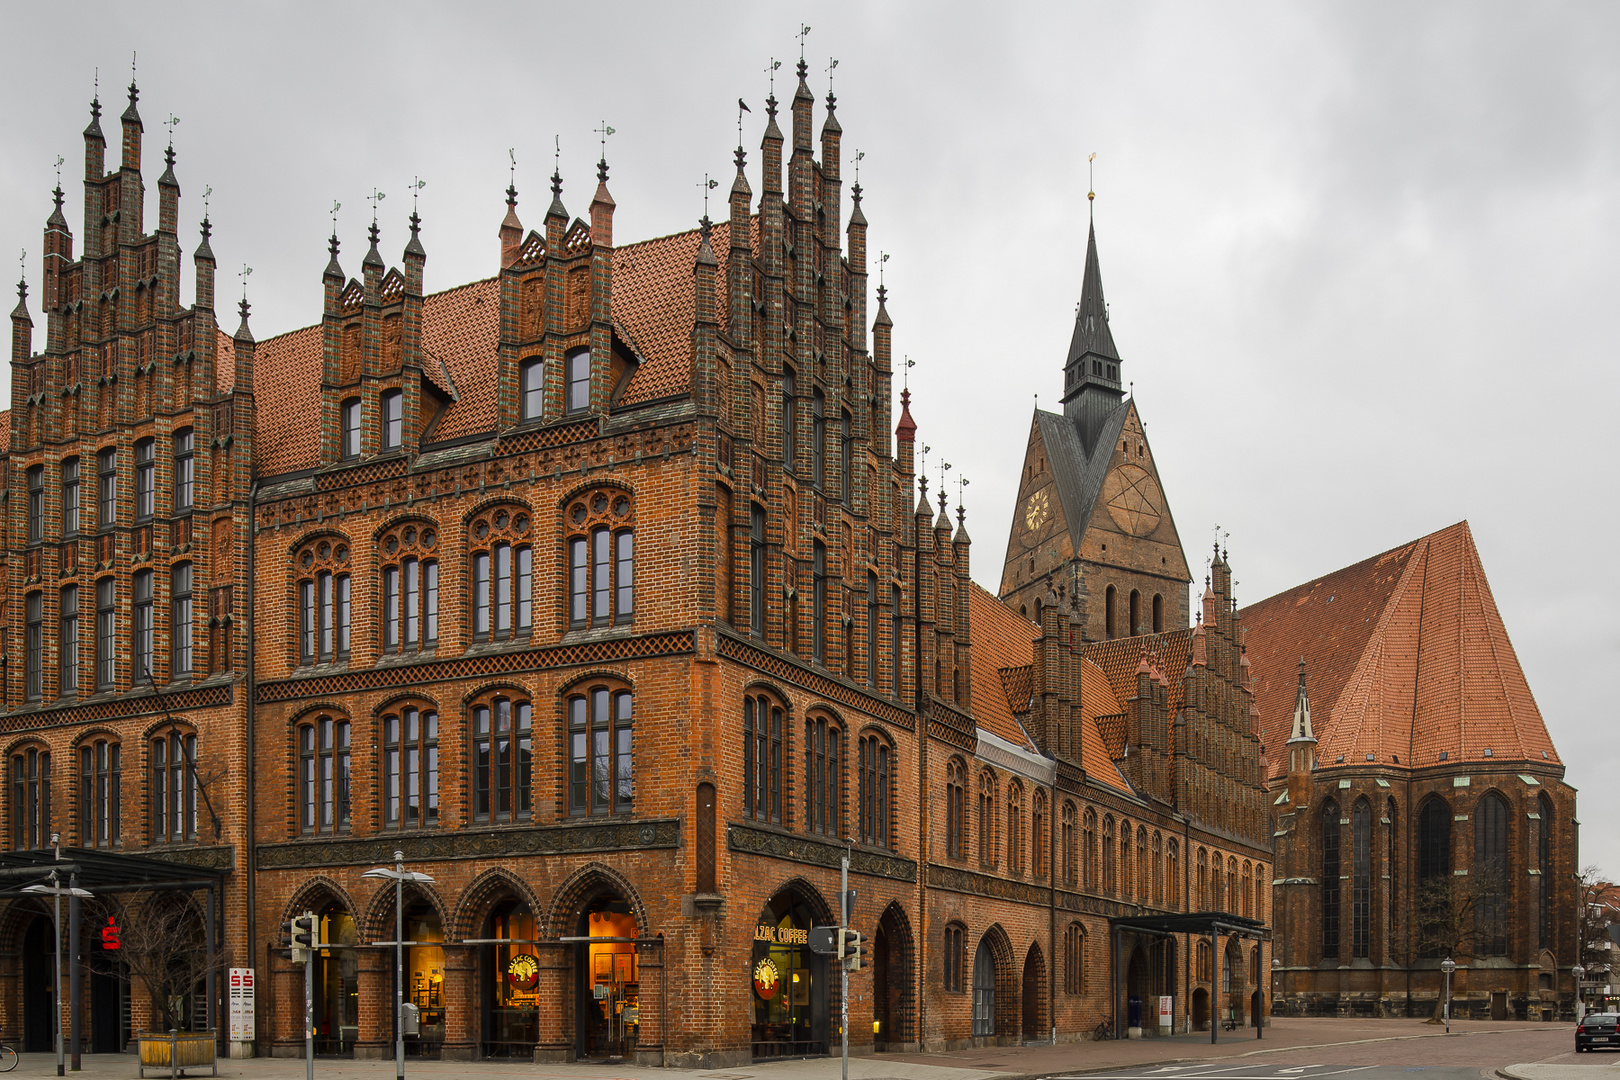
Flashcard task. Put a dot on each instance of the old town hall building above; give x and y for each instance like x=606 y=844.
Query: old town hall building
x=606 y=591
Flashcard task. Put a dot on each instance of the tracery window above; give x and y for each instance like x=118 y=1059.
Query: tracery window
x=1433 y=859
x=410 y=587
x=601 y=777
x=823 y=791
x=756 y=569
x=1261 y=884
x=1360 y=879
x=410 y=768
x=955 y=957
x=1203 y=880
x=503 y=759
x=502 y=591
x=1070 y=872
x=987 y=819
x=30 y=798
x=1141 y=863
x=955 y=809
x=601 y=542
x=876 y=763
x=763 y=758
x=1330 y=879
x=871 y=630
x=323 y=774
x=1543 y=857
x=324 y=608
x=174 y=785
x=100 y=792
x=1158 y=869
x=1491 y=863
x=818 y=600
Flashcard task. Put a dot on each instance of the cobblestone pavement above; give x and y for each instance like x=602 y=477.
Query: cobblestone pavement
x=1290 y=1050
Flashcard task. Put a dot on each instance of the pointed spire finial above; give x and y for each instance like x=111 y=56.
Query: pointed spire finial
x=602 y=166
x=59 y=160
x=511 y=186
x=883 y=257
x=804 y=32
x=905 y=373
x=417 y=184
x=556 y=167
x=832 y=100
x=245 y=273
x=961 y=507
x=1091 y=182
x=707 y=185
x=855 y=192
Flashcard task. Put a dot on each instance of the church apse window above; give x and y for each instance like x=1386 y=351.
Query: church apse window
x=1543 y=857
x=1329 y=825
x=1491 y=864
x=1433 y=884
x=324 y=603
x=601 y=544
x=410 y=587
x=1361 y=879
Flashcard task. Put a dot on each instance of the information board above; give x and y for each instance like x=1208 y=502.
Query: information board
x=241 y=997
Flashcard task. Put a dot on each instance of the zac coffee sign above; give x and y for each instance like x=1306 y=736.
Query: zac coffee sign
x=782 y=935
x=523 y=972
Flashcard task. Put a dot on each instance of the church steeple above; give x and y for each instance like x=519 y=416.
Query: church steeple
x=1091 y=383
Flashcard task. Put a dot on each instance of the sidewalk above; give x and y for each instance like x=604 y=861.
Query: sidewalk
x=988 y=1063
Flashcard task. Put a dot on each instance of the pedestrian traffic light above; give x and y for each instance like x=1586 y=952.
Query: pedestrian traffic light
x=851 y=949
x=284 y=942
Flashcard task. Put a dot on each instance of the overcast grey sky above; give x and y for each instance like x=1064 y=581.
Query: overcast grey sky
x=1362 y=258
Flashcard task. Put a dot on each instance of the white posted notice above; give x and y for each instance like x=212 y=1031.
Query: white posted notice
x=1166 y=1012
x=241 y=986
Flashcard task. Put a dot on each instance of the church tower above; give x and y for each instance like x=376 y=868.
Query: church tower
x=1091 y=524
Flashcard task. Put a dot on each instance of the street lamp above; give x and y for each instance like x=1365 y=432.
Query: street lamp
x=399 y=876
x=1448 y=966
x=1580 y=1011
x=57 y=890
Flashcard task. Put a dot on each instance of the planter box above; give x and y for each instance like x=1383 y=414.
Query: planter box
x=176 y=1051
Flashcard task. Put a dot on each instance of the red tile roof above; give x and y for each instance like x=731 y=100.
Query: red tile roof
x=1406 y=656
x=1119 y=658
x=5 y=430
x=1003 y=679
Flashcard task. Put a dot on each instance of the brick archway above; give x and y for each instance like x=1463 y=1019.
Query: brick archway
x=479 y=897
x=583 y=886
x=899 y=996
x=1008 y=978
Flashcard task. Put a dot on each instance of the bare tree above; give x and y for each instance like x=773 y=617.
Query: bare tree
x=1597 y=908
x=163 y=948
x=1458 y=916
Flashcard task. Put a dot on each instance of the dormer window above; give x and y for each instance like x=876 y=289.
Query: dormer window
x=393 y=419
x=531 y=390
x=578 y=366
x=351 y=428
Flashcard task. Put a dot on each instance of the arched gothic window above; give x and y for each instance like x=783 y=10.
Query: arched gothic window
x=764 y=758
x=1015 y=827
x=823 y=778
x=1173 y=874
x=502 y=573
x=410 y=768
x=1433 y=868
x=408 y=558
x=174 y=785
x=1158 y=868
x=1074 y=959
x=876 y=768
x=1543 y=857
x=503 y=758
x=601 y=542
x=956 y=809
x=1109 y=882
x=1088 y=849
x=323 y=774
x=100 y=792
x=1491 y=864
x=1203 y=880
x=1361 y=879
x=324 y=611
x=1126 y=880
x=987 y=819
x=1037 y=833
x=601 y=776
x=30 y=798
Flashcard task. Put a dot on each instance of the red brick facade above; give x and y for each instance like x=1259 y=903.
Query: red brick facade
x=599 y=591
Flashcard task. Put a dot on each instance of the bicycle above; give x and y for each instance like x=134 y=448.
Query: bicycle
x=1104 y=1030
x=8 y=1058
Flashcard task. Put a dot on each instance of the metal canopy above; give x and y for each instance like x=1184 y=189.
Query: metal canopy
x=101 y=871
x=1193 y=922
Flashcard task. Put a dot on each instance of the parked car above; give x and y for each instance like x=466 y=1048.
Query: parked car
x=1598 y=1029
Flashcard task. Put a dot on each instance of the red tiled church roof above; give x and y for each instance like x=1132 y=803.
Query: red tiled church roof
x=1406 y=656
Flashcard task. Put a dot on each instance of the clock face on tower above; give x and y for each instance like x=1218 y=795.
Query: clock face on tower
x=1134 y=500
x=1035 y=511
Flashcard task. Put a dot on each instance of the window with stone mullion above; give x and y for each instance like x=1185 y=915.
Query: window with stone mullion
x=100 y=793
x=324 y=772
x=762 y=759
x=502 y=760
x=410 y=760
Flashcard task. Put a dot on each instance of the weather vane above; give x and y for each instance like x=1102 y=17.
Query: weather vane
x=924 y=472
x=556 y=154
x=708 y=185
x=511 y=152
x=132 y=67
x=831 y=66
x=860 y=155
x=417 y=184
x=59 y=160
x=1091 y=178
x=247 y=272
x=208 y=193
x=336 y=206
x=905 y=374
x=742 y=107
x=961 y=484
x=883 y=257
x=170 y=123
x=374 y=198
x=22 y=265
x=770 y=69
x=804 y=32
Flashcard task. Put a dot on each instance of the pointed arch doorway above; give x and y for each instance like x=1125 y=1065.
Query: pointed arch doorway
x=791 y=985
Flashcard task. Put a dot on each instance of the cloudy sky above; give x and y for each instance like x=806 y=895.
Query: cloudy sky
x=1359 y=255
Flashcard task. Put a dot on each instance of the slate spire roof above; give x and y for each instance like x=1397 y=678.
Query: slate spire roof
x=1408 y=657
x=1091 y=333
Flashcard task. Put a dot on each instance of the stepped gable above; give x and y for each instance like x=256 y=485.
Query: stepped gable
x=1406 y=657
x=652 y=312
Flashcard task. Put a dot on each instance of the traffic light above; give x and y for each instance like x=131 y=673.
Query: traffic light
x=304 y=929
x=284 y=942
x=851 y=949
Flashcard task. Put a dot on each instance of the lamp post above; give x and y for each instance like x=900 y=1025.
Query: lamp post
x=1580 y=1005
x=399 y=875
x=56 y=890
x=1448 y=966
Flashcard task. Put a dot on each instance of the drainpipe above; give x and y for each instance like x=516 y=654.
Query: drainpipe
x=251 y=691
